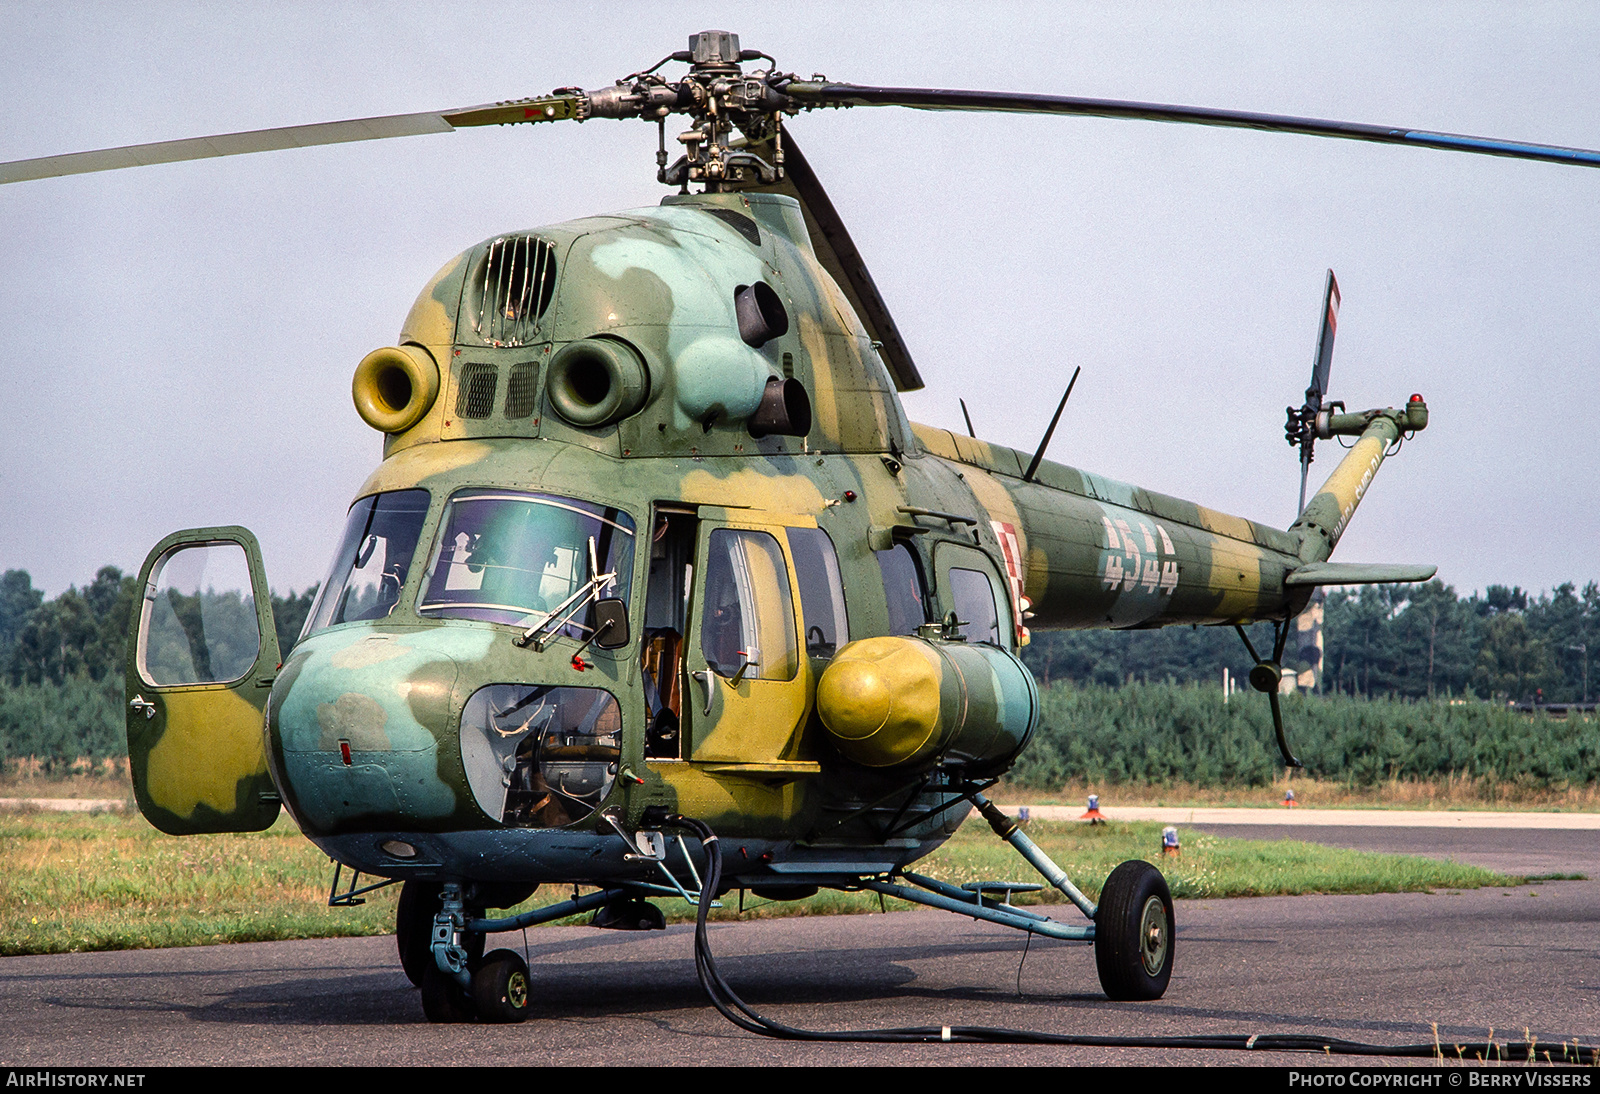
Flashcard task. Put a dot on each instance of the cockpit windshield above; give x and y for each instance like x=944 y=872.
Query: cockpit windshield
x=510 y=557
x=369 y=570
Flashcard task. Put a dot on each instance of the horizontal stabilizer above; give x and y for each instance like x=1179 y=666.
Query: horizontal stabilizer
x=1358 y=573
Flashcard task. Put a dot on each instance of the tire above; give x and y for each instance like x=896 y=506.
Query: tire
x=413 y=929
x=1133 y=933
x=500 y=988
x=443 y=999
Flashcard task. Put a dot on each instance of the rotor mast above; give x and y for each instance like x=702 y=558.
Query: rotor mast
x=720 y=100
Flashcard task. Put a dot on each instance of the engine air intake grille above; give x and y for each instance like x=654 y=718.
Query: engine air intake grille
x=514 y=286
x=475 y=397
x=522 y=392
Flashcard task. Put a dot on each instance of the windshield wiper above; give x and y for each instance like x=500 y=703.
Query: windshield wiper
x=579 y=600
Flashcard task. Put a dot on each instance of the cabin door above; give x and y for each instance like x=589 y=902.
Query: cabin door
x=749 y=681
x=202 y=655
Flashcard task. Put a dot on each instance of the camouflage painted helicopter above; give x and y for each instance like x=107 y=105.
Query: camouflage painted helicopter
x=653 y=542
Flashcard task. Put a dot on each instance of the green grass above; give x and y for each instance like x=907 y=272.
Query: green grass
x=97 y=882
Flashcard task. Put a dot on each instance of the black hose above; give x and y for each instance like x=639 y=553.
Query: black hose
x=740 y=1013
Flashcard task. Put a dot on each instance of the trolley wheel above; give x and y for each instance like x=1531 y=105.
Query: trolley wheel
x=500 y=988
x=413 y=929
x=1133 y=933
x=443 y=999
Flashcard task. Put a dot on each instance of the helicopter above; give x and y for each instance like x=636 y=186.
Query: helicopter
x=653 y=539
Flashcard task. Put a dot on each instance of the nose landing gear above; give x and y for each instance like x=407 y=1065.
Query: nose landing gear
x=445 y=948
x=413 y=929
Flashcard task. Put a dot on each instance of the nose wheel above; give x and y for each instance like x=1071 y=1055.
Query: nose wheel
x=1133 y=933
x=500 y=991
x=500 y=988
x=443 y=999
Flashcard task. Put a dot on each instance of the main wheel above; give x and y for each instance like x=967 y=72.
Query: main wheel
x=500 y=988
x=413 y=929
x=1133 y=933
x=443 y=998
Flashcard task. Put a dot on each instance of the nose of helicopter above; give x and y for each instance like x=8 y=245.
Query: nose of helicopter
x=356 y=722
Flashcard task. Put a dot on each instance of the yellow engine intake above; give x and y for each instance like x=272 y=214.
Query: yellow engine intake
x=394 y=387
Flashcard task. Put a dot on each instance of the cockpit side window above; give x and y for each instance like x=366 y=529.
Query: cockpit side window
x=199 y=622
x=373 y=560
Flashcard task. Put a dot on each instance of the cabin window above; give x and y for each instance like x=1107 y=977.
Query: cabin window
x=972 y=597
x=902 y=589
x=200 y=618
x=748 y=612
x=816 y=567
x=370 y=568
x=509 y=557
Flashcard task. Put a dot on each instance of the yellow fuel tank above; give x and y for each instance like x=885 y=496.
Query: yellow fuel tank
x=893 y=701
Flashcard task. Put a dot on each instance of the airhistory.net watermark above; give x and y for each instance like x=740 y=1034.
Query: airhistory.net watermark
x=51 y=1079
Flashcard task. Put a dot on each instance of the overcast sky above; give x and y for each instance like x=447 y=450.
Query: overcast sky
x=176 y=342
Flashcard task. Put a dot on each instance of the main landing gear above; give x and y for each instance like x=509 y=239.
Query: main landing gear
x=1133 y=933
x=1131 y=928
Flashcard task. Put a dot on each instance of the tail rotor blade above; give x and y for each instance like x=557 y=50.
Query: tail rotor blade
x=1324 y=358
x=1302 y=425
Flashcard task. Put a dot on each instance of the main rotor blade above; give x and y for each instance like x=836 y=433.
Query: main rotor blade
x=555 y=108
x=922 y=98
x=838 y=255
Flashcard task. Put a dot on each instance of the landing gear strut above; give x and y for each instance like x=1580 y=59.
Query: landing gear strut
x=413 y=929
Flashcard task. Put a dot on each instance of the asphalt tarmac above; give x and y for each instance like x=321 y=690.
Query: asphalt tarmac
x=1387 y=969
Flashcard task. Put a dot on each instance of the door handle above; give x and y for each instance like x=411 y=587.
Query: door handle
x=704 y=676
x=138 y=703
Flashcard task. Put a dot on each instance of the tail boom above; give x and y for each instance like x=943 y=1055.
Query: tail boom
x=1097 y=553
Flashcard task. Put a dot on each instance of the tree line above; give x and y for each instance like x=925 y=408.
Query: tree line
x=62 y=664
x=1418 y=641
